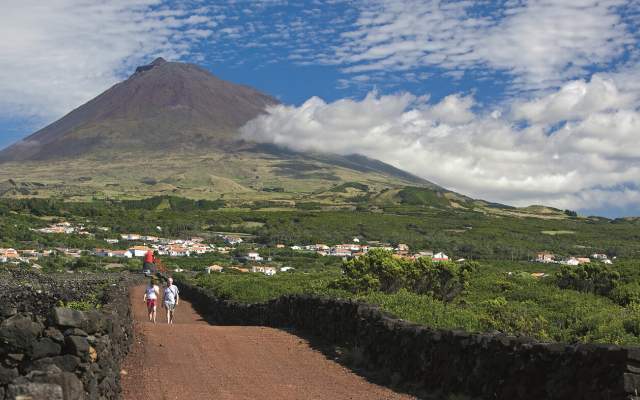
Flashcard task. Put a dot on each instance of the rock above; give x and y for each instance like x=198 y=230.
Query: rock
x=34 y=391
x=75 y=332
x=19 y=332
x=77 y=345
x=14 y=358
x=7 y=375
x=69 y=317
x=631 y=383
x=7 y=310
x=65 y=362
x=45 y=347
x=54 y=334
x=95 y=322
x=72 y=388
x=633 y=354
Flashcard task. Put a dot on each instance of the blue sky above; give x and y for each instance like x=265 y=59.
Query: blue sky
x=517 y=101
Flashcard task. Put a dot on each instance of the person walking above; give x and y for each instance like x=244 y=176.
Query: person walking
x=151 y=294
x=171 y=300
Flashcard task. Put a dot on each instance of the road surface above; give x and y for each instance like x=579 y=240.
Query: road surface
x=194 y=360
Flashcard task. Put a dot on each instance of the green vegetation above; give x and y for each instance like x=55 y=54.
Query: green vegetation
x=417 y=196
x=463 y=233
x=380 y=271
x=591 y=278
x=501 y=296
x=593 y=303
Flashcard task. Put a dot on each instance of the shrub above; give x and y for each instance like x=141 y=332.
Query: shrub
x=626 y=294
x=379 y=270
x=592 y=278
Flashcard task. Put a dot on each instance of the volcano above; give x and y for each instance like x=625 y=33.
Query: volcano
x=173 y=128
x=163 y=105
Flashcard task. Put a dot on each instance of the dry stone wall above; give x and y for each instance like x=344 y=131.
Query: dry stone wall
x=56 y=353
x=479 y=366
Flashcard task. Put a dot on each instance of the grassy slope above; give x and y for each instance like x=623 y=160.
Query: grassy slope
x=241 y=175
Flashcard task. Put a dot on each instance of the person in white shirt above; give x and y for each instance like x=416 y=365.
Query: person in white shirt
x=151 y=294
x=171 y=300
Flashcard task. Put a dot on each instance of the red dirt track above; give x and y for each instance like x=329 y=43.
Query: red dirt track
x=194 y=360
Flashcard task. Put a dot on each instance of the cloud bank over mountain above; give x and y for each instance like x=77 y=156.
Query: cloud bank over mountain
x=576 y=147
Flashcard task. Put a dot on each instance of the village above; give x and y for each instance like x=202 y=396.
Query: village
x=134 y=245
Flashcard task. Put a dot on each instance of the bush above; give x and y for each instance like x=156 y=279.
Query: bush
x=379 y=270
x=591 y=278
x=626 y=294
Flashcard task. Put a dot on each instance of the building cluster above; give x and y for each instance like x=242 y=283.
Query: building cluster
x=355 y=249
x=162 y=246
x=65 y=228
x=261 y=269
x=546 y=257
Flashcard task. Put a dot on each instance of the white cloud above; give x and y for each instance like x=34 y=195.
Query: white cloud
x=55 y=55
x=540 y=43
x=592 y=161
x=575 y=100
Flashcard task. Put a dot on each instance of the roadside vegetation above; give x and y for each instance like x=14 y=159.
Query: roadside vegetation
x=493 y=296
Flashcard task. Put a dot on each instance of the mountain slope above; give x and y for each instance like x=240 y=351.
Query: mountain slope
x=162 y=106
x=173 y=129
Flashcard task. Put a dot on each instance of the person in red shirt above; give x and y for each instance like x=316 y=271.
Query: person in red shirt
x=149 y=263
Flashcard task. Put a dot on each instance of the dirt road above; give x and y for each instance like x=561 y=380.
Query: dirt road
x=194 y=360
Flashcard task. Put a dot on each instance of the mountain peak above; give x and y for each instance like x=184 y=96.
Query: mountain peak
x=165 y=105
x=157 y=62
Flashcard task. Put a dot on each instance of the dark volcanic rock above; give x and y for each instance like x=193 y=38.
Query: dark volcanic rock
x=45 y=347
x=69 y=318
x=34 y=391
x=7 y=374
x=19 y=332
x=77 y=345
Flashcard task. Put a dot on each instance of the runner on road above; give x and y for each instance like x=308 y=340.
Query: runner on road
x=151 y=294
x=170 y=300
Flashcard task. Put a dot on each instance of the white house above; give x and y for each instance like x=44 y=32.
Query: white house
x=122 y=253
x=139 y=251
x=269 y=271
x=111 y=241
x=254 y=256
x=130 y=236
x=545 y=257
x=572 y=261
x=285 y=269
x=213 y=268
x=232 y=240
x=440 y=257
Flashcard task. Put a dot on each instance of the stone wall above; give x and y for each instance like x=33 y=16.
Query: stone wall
x=56 y=353
x=483 y=366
